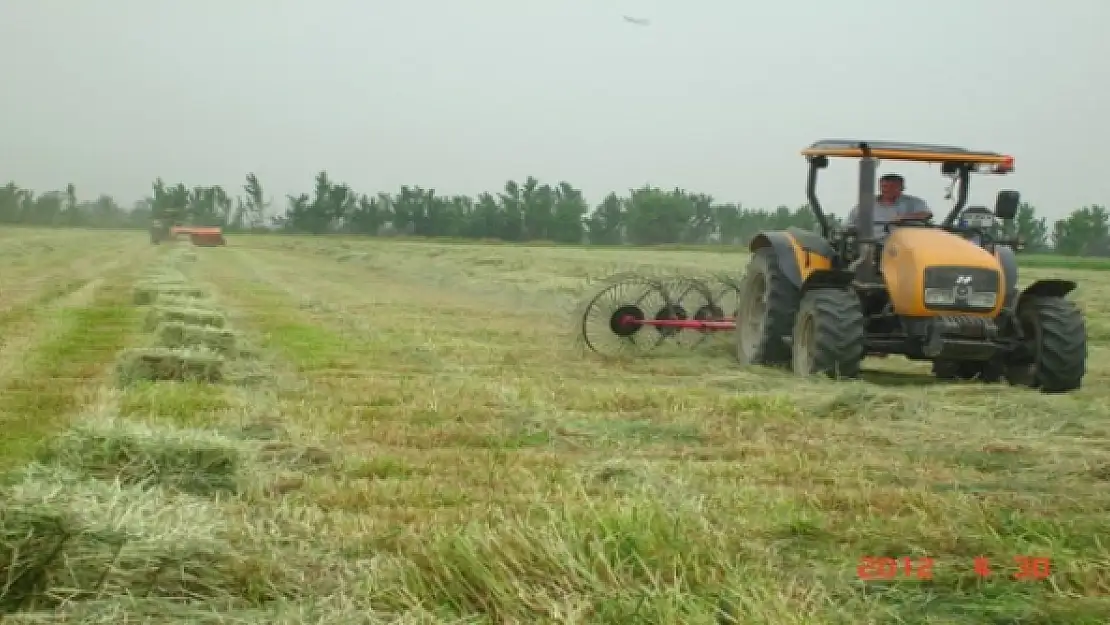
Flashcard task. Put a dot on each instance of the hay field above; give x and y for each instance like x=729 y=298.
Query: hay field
x=397 y=432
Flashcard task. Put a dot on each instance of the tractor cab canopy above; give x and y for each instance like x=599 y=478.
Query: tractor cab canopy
x=914 y=152
x=956 y=162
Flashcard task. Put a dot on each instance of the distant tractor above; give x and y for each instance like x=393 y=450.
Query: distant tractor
x=163 y=224
x=159 y=231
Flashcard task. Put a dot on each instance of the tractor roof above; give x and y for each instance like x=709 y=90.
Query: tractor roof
x=901 y=151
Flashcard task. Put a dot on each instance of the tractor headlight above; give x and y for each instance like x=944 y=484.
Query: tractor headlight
x=948 y=297
x=962 y=288
x=982 y=300
x=940 y=297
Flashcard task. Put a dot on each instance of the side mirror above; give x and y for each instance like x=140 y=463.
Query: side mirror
x=1006 y=204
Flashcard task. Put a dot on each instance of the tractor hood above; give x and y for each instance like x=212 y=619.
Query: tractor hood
x=916 y=259
x=934 y=246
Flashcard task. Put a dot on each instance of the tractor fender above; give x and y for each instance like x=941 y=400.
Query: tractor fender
x=788 y=245
x=1047 y=288
x=1008 y=259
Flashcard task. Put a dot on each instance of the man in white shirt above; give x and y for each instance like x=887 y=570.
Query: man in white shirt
x=892 y=206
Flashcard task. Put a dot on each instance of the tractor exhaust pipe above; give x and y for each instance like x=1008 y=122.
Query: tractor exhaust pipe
x=865 y=216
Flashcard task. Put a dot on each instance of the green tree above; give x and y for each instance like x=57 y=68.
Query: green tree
x=512 y=206
x=1085 y=231
x=254 y=206
x=657 y=217
x=1032 y=230
x=606 y=226
x=569 y=212
x=520 y=211
x=368 y=215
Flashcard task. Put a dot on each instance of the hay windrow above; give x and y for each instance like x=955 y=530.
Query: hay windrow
x=66 y=539
x=193 y=316
x=165 y=275
x=148 y=291
x=181 y=364
x=180 y=300
x=179 y=334
x=198 y=462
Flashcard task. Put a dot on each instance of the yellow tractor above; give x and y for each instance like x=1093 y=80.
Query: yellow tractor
x=820 y=302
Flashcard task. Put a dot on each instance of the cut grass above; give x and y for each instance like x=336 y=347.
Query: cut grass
x=70 y=540
x=88 y=337
x=789 y=499
x=425 y=450
x=152 y=364
x=195 y=316
x=136 y=454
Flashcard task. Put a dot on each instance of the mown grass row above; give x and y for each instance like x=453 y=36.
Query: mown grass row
x=62 y=343
x=127 y=516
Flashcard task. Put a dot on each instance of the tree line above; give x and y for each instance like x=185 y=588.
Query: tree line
x=521 y=211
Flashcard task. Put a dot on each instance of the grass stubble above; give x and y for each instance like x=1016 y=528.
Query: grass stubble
x=402 y=436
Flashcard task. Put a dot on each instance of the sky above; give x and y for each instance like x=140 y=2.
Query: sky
x=714 y=96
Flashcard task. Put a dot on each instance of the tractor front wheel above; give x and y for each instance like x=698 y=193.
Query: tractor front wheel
x=829 y=334
x=1055 y=345
x=766 y=305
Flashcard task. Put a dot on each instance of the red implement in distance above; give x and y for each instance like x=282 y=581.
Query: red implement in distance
x=202 y=236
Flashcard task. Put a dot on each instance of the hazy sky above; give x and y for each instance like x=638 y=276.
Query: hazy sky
x=714 y=95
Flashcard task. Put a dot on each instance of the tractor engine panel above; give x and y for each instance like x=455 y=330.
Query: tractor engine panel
x=930 y=272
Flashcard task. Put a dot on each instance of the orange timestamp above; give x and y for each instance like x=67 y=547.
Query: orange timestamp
x=875 y=567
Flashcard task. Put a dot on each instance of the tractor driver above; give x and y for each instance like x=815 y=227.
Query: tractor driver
x=893 y=206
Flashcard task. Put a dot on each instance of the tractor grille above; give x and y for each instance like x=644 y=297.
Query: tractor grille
x=961 y=288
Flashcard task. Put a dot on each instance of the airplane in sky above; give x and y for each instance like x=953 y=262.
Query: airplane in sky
x=639 y=21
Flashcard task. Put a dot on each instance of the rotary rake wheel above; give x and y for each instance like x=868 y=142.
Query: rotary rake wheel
x=691 y=299
x=725 y=292
x=612 y=320
x=632 y=314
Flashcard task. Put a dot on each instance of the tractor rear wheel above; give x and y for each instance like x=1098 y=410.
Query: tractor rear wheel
x=767 y=303
x=1055 y=341
x=829 y=334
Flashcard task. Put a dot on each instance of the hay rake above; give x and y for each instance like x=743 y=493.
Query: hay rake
x=632 y=314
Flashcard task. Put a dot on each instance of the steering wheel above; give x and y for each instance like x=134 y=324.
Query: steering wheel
x=920 y=218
